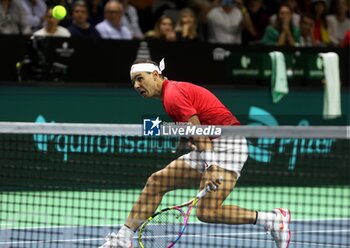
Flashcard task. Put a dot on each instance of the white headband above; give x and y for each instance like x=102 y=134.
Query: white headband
x=147 y=67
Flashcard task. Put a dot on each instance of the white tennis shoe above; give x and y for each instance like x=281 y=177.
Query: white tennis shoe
x=116 y=241
x=279 y=228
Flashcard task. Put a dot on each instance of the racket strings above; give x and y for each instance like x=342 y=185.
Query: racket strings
x=163 y=229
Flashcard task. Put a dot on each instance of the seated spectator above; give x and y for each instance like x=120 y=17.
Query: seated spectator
x=51 y=27
x=293 y=4
x=164 y=30
x=186 y=28
x=201 y=8
x=13 y=18
x=225 y=23
x=95 y=11
x=306 y=31
x=283 y=32
x=80 y=27
x=147 y=19
x=36 y=11
x=321 y=32
x=165 y=7
x=112 y=26
x=260 y=21
x=338 y=22
x=131 y=20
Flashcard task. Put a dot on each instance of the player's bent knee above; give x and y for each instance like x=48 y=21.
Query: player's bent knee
x=206 y=214
x=156 y=183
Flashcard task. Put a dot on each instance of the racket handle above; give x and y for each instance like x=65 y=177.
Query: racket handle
x=204 y=191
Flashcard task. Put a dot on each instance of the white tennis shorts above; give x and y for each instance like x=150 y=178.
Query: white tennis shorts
x=232 y=153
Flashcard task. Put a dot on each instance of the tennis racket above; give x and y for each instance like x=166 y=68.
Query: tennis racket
x=165 y=227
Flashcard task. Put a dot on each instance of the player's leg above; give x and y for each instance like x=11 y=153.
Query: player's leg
x=178 y=174
x=211 y=209
x=234 y=153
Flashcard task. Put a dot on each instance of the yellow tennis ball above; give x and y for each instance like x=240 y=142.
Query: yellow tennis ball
x=59 y=12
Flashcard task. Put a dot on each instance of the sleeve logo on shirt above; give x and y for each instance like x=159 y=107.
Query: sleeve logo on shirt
x=151 y=127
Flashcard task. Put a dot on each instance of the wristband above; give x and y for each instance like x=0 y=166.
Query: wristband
x=209 y=158
x=244 y=10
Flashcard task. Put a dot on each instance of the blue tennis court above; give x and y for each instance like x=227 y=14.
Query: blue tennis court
x=315 y=233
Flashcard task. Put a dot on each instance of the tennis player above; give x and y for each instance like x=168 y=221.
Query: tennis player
x=215 y=161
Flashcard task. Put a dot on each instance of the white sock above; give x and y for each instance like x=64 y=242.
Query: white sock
x=126 y=232
x=265 y=218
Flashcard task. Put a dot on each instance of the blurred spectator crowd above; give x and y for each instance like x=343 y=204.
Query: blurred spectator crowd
x=305 y=23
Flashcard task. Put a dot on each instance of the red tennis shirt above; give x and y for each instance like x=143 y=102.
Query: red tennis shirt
x=182 y=100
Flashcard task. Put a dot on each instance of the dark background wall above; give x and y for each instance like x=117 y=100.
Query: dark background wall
x=124 y=105
x=104 y=62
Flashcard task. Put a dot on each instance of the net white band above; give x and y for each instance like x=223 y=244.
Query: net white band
x=337 y=132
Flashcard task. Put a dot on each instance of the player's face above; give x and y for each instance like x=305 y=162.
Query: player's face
x=144 y=84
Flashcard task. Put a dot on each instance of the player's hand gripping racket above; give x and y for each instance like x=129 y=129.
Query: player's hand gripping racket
x=165 y=227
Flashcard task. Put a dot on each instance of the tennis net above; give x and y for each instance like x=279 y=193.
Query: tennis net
x=68 y=185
